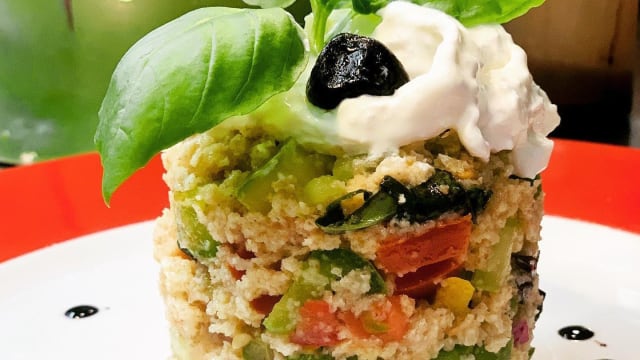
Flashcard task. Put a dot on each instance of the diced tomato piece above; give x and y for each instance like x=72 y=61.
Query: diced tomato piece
x=397 y=320
x=406 y=254
x=243 y=252
x=263 y=304
x=237 y=274
x=317 y=325
x=385 y=320
x=423 y=282
x=354 y=325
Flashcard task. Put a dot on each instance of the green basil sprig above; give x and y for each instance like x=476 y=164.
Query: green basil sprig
x=472 y=13
x=188 y=76
x=214 y=63
x=469 y=13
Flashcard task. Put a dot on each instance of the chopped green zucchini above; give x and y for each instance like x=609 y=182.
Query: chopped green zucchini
x=498 y=267
x=256 y=350
x=310 y=284
x=193 y=235
x=343 y=168
x=291 y=160
x=323 y=190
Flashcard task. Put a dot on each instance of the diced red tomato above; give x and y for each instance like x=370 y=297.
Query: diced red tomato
x=423 y=282
x=448 y=239
x=263 y=304
x=421 y=262
x=317 y=325
x=385 y=320
x=237 y=274
x=243 y=252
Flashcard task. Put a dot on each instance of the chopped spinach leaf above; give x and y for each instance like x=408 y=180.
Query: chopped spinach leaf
x=439 y=194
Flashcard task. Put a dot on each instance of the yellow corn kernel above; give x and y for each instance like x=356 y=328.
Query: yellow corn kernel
x=454 y=293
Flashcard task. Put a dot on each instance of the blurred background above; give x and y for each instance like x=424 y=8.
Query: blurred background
x=56 y=58
x=583 y=54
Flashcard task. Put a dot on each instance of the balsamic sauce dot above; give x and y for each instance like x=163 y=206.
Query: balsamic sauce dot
x=576 y=332
x=81 y=311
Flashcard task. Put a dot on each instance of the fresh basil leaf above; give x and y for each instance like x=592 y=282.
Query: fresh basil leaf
x=266 y=4
x=368 y=6
x=188 y=76
x=471 y=13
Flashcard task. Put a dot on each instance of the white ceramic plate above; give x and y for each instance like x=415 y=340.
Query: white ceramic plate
x=590 y=273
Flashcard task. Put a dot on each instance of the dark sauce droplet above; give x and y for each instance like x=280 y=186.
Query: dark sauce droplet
x=81 y=311
x=576 y=332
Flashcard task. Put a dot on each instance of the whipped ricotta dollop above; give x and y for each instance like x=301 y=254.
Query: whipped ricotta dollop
x=475 y=81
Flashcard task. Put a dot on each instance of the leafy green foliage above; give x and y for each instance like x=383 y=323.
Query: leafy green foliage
x=376 y=209
x=471 y=13
x=266 y=4
x=189 y=75
x=213 y=63
x=420 y=203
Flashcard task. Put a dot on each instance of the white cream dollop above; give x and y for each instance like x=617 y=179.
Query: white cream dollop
x=475 y=81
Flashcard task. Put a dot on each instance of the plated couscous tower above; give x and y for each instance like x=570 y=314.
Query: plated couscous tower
x=384 y=205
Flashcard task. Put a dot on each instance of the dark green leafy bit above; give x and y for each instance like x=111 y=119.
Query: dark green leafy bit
x=185 y=250
x=376 y=209
x=257 y=350
x=479 y=353
x=442 y=193
x=524 y=268
x=368 y=6
x=540 y=307
x=439 y=194
x=351 y=65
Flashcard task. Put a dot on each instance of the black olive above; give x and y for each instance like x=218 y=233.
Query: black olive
x=352 y=65
x=544 y=295
x=525 y=263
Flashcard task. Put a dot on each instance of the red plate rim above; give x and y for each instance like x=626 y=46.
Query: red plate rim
x=53 y=201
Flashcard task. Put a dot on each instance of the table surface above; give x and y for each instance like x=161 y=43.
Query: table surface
x=53 y=201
